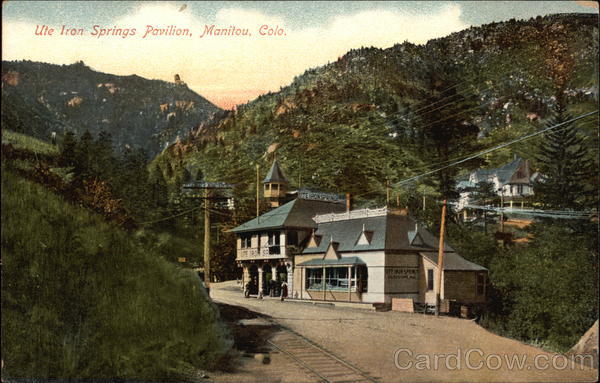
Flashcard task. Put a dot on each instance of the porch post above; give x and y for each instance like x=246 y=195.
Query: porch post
x=290 y=277
x=260 y=281
x=349 y=283
x=244 y=271
x=323 y=282
x=302 y=283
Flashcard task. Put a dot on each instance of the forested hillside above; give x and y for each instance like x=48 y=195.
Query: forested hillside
x=84 y=296
x=40 y=98
x=379 y=114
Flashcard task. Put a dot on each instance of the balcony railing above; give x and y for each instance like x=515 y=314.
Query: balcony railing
x=268 y=252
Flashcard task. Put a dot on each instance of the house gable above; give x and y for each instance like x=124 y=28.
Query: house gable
x=418 y=241
x=314 y=241
x=332 y=252
x=365 y=237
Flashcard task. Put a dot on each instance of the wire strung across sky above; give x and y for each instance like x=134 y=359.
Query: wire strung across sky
x=567 y=214
x=522 y=138
x=469 y=157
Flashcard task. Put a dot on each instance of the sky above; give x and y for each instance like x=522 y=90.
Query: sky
x=230 y=69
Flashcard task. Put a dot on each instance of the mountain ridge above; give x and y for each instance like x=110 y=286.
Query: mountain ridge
x=41 y=98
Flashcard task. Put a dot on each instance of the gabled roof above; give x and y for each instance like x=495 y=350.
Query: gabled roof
x=504 y=172
x=389 y=232
x=294 y=214
x=453 y=261
x=275 y=174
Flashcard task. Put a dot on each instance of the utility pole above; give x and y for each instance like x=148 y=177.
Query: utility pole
x=502 y=210
x=440 y=265
x=423 y=202
x=191 y=189
x=257 y=190
x=387 y=192
x=207 y=239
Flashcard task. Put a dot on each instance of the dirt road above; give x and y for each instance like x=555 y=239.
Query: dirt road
x=402 y=347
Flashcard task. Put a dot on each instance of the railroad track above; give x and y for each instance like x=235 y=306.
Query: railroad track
x=320 y=364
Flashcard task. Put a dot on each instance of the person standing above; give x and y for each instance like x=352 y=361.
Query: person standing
x=284 y=291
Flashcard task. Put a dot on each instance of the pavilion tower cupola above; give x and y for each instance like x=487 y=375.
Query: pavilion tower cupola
x=275 y=185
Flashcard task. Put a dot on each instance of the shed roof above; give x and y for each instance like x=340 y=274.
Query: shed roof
x=343 y=261
x=453 y=261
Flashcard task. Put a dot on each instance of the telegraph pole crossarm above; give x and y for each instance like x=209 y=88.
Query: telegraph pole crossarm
x=192 y=189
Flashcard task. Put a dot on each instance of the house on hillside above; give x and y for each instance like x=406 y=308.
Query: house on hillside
x=513 y=183
x=326 y=252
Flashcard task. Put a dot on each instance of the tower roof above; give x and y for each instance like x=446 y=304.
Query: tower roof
x=275 y=174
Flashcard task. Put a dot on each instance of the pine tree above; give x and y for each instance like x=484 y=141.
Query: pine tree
x=565 y=165
x=83 y=156
x=446 y=130
x=67 y=151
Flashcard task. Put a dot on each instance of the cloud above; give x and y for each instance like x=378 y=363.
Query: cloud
x=218 y=66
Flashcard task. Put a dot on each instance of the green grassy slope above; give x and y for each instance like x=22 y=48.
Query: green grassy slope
x=81 y=299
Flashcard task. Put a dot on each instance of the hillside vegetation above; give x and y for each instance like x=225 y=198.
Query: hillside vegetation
x=40 y=98
x=83 y=299
x=379 y=114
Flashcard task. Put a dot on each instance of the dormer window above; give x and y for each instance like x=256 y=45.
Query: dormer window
x=314 y=240
x=365 y=237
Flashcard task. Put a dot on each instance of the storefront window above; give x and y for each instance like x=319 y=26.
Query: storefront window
x=336 y=278
x=313 y=279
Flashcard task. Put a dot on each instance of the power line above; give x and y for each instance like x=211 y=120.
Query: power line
x=497 y=147
x=439 y=163
x=567 y=214
x=173 y=216
x=438 y=101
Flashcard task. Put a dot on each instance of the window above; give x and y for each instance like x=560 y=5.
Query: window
x=520 y=189
x=337 y=278
x=313 y=279
x=429 y=279
x=246 y=241
x=275 y=187
x=480 y=284
x=363 y=278
x=274 y=238
x=274 y=241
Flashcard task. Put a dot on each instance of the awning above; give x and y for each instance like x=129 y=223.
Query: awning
x=344 y=261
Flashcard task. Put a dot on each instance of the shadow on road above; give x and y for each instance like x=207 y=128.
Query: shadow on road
x=250 y=330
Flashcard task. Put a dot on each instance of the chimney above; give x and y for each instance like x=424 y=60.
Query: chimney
x=348 y=202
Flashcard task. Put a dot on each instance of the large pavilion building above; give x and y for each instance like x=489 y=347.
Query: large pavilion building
x=327 y=253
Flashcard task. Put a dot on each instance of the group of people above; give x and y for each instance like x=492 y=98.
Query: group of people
x=272 y=289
